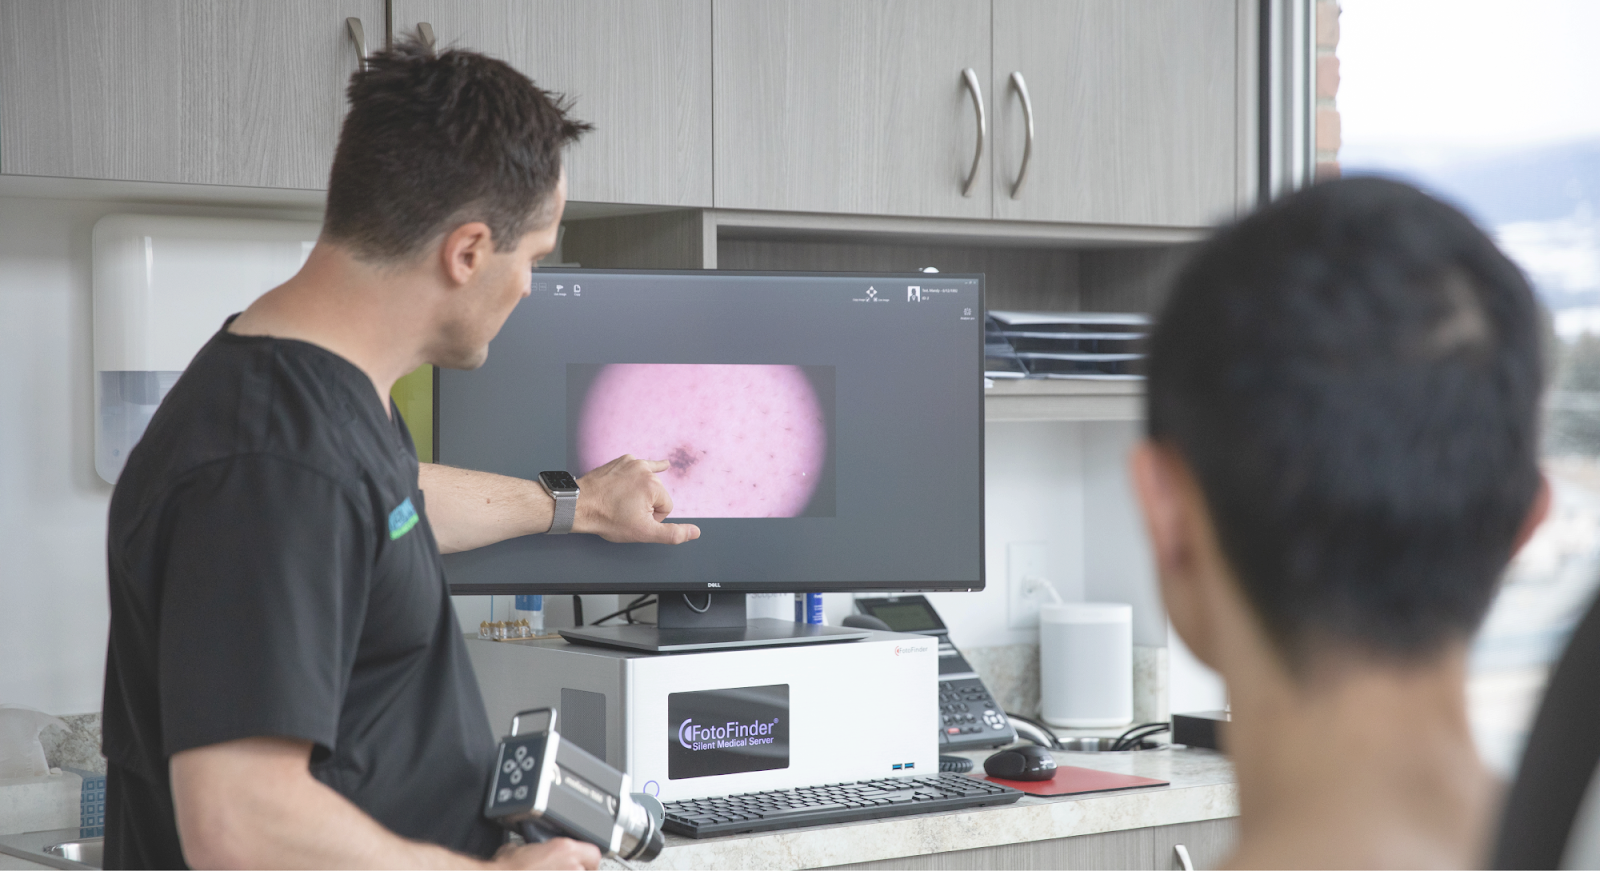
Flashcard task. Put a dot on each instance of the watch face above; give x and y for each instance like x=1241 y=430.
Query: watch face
x=559 y=481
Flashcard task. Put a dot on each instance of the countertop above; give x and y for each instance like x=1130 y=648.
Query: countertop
x=1202 y=788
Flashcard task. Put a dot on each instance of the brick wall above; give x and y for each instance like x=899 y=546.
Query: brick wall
x=1327 y=123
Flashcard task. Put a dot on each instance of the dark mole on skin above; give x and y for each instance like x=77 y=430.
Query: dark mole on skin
x=682 y=457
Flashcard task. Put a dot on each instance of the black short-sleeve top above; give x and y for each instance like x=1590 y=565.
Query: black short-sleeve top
x=272 y=573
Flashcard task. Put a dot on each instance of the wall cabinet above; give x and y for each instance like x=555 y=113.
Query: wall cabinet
x=1134 y=107
x=849 y=106
x=177 y=90
x=639 y=70
x=827 y=107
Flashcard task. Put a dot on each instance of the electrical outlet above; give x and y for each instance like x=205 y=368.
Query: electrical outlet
x=1025 y=561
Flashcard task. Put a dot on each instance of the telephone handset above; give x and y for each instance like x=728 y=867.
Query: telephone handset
x=969 y=716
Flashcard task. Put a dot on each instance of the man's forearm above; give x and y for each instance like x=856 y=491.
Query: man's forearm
x=470 y=509
x=277 y=816
x=621 y=502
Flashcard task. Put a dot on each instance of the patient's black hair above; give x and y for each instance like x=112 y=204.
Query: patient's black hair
x=1353 y=375
x=434 y=140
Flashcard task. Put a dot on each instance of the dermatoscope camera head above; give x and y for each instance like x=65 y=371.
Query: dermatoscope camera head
x=544 y=787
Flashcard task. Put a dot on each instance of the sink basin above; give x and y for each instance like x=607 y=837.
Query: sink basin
x=89 y=851
x=54 y=848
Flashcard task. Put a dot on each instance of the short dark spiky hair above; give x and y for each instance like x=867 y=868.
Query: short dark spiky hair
x=435 y=140
x=1353 y=374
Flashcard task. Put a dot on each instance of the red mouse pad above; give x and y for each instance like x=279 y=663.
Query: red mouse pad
x=1071 y=780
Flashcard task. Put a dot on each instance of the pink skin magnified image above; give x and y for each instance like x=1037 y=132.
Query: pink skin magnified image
x=743 y=441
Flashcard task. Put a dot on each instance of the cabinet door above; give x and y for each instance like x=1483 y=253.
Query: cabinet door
x=638 y=70
x=1209 y=843
x=850 y=105
x=190 y=91
x=1134 y=105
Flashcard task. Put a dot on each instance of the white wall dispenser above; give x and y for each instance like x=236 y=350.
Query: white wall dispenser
x=162 y=288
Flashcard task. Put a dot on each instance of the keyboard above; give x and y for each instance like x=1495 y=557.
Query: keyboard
x=832 y=803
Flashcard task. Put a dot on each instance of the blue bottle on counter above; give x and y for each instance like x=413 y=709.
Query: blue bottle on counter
x=808 y=608
x=534 y=608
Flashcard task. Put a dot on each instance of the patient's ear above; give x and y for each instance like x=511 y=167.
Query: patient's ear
x=1169 y=500
x=1537 y=512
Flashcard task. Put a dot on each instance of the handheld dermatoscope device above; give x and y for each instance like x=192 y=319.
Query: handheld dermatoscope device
x=545 y=787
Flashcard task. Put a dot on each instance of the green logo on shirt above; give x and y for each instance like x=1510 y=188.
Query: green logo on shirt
x=402 y=519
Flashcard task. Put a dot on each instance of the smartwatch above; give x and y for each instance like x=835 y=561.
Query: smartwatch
x=563 y=488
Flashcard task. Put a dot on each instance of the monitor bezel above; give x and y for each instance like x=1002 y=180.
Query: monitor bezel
x=534 y=588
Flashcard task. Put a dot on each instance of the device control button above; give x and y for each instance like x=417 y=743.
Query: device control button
x=521 y=752
x=504 y=795
x=510 y=766
x=953 y=730
x=516 y=777
x=521 y=793
x=527 y=764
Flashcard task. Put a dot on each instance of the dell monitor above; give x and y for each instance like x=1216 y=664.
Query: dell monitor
x=824 y=431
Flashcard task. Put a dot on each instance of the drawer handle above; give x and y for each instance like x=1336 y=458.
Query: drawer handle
x=1183 y=857
x=970 y=78
x=358 y=38
x=1021 y=87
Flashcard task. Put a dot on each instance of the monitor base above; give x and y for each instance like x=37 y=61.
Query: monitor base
x=760 y=632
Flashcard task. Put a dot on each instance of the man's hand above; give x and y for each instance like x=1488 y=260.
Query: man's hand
x=624 y=501
x=554 y=853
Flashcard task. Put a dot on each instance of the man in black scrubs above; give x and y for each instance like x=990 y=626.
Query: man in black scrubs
x=286 y=683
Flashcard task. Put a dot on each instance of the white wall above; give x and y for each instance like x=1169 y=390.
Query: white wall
x=53 y=610
x=1116 y=555
x=1065 y=484
x=1033 y=491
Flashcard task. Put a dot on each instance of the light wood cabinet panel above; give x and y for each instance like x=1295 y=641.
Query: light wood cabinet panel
x=639 y=70
x=853 y=106
x=1135 y=110
x=196 y=91
x=1209 y=843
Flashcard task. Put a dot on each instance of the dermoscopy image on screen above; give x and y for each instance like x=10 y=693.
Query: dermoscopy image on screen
x=742 y=440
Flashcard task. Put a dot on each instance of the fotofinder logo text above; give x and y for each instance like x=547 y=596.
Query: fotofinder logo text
x=729 y=735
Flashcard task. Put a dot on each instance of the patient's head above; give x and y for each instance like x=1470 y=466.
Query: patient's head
x=1351 y=378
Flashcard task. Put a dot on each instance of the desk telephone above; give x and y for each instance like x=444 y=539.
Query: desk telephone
x=969 y=717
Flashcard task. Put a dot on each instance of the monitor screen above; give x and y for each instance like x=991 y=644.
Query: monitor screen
x=824 y=431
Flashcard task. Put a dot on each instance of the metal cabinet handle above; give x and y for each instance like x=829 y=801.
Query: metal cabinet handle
x=426 y=30
x=358 y=37
x=1021 y=87
x=971 y=79
x=1183 y=857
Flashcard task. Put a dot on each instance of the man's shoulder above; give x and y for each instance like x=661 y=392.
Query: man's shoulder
x=252 y=402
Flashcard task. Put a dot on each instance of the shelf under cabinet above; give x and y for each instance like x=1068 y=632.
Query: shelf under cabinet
x=1063 y=399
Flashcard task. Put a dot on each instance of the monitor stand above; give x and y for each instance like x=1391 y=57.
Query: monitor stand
x=697 y=622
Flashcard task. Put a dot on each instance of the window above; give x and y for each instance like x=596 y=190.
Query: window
x=1495 y=106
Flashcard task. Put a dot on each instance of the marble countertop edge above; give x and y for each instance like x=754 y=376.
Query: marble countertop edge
x=1030 y=819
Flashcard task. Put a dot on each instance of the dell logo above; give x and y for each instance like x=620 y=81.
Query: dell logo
x=712 y=584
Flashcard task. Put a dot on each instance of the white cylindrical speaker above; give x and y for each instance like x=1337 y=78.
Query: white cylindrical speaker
x=1086 y=664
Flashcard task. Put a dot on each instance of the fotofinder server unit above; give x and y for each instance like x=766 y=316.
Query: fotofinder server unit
x=724 y=722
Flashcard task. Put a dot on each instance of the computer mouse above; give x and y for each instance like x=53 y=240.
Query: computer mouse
x=1027 y=762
